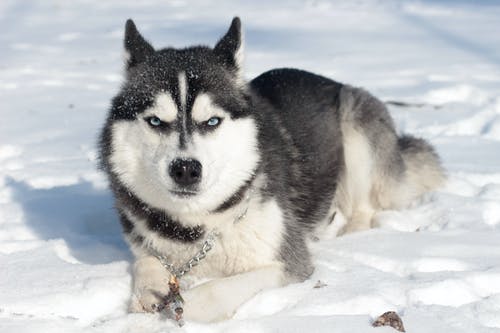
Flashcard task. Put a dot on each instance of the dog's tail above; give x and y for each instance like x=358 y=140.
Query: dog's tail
x=423 y=167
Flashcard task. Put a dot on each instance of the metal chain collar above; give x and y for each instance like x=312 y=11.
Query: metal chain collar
x=207 y=245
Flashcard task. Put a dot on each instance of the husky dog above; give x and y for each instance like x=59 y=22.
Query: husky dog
x=236 y=176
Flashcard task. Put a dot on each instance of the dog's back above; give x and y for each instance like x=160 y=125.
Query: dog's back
x=348 y=148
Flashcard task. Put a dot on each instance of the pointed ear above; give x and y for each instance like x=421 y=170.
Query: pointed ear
x=136 y=47
x=229 y=50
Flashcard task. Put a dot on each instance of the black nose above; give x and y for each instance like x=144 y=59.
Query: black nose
x=185 y=172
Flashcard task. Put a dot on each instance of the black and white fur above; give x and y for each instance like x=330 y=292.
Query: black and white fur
x=288 y=151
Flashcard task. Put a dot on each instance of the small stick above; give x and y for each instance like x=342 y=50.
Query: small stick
x=174 y=302
x=390 y=318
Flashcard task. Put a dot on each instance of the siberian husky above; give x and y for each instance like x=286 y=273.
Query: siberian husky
x=221 y=180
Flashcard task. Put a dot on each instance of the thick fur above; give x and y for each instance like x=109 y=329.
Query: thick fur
x=289 y=152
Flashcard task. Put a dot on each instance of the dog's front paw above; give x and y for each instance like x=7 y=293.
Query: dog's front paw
x=150 y=285
x=146 y=301
x=207 y=303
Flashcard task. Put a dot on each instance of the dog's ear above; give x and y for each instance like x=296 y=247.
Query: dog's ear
x=137 y=49
x=229 y=49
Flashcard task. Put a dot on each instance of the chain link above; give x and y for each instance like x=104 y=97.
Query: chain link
x=208 y=244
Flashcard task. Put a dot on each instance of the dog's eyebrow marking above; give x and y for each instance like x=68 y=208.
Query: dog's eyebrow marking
x=182 y=81
x=164 y=107
x=204 y=108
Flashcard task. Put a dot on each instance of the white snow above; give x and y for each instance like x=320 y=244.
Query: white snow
x=63 y=264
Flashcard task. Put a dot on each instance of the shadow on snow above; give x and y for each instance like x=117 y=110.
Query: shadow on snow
x=80 y=214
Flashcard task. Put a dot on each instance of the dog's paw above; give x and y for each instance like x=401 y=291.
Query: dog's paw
x=147 y=301
x=207 y=303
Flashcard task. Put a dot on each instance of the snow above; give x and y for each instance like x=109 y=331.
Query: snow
x=63 y=264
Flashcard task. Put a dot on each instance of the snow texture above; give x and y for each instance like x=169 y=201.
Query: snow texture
x=63 y=264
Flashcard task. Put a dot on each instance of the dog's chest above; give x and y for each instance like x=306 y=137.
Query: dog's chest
x=238 y=246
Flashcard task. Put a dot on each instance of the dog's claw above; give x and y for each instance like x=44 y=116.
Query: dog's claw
x=156 y=307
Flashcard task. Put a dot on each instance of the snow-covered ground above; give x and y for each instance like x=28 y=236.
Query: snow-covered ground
x=63 y=264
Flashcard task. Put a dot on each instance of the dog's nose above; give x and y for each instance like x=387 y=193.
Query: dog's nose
x=185 y=172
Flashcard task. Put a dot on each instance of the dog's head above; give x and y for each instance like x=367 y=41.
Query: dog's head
x=182 y=136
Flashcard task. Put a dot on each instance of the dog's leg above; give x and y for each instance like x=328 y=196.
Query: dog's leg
x=218 y=299
x=360 y=220
x=149 y=285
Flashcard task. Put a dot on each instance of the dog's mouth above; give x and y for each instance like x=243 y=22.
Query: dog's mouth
x=183 y=193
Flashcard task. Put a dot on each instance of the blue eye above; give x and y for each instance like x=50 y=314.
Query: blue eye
x=214 y=121
x=155 y=121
